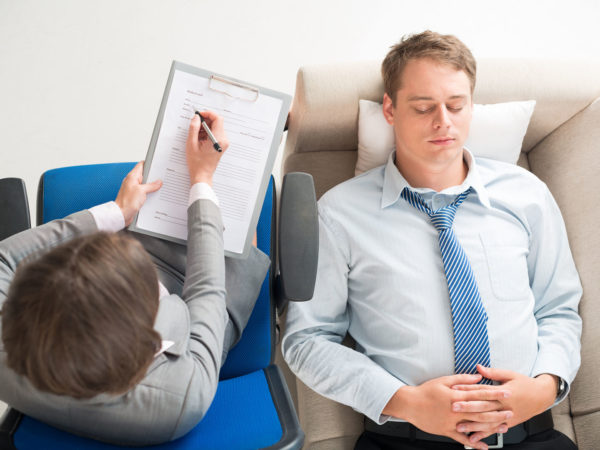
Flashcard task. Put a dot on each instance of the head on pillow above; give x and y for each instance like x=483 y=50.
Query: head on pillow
x=429 y=80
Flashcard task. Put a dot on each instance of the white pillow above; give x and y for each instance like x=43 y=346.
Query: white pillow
x=497 y=132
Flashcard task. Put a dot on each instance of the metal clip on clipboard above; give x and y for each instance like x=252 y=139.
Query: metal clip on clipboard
x=233 y=89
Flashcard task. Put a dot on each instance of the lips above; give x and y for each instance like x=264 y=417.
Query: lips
x=442 y=141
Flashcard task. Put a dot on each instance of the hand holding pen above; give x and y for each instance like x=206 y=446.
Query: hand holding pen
x=211 y=136
x=205 y=145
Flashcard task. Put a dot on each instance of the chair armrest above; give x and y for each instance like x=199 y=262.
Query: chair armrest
x=567 y=160
x=14 y=207
x=9 y=422
x=298 y=242
x=293 y=436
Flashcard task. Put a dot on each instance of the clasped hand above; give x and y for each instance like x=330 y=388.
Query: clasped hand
x=527 y=397
x=455 y=405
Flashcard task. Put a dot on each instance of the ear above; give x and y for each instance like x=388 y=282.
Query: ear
x=388 y=109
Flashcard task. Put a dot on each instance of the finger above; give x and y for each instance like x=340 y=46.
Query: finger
x=136 y=172
x=194 y=130
x=152 y=187
x=495 y=374
x=473 y=427
x=481 y=387
x=476 y=406
x=461 y=379
x=215 y=123
x=139 y=167
x=210 y=116
x=471 y=387
x=489 y=417
x=469 y=395
x=478 y=436
x=464 y=439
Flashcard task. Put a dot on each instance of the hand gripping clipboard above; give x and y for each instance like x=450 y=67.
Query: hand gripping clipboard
x=254 y=122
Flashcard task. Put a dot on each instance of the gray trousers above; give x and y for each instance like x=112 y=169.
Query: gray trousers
x=243 y=280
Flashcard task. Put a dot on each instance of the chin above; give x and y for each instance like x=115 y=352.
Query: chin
x=446 y=154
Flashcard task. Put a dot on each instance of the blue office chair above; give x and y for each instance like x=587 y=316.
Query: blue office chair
x=252 y=407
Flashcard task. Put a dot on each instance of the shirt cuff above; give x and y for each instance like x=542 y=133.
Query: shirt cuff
x=202 y=191
x=547 y=363
x=108 y=217
x=386 y=388
x=162 y=290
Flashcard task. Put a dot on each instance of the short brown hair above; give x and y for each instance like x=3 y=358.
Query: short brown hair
x=442 y=48
x=79 y=320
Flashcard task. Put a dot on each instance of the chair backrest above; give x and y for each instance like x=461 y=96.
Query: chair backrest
x=562 y=147
x=14 y=207
x=66 y=190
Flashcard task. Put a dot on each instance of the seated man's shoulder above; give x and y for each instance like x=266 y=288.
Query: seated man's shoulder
x=516 y=188
x=499 y=172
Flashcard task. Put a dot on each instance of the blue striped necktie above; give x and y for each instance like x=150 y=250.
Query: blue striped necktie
x=471 y=344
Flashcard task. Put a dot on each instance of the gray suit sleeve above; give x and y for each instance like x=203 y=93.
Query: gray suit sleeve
x=212 y=310
x=26 y=243
x=204 y=294
x=243 y=280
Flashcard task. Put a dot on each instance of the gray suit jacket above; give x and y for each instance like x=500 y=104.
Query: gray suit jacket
x=181 y=382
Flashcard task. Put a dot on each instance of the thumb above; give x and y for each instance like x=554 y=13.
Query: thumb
x=137 y=172
x=152 y=187
x=495 y=374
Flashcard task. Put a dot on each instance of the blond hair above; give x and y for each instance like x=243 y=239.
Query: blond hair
x=441 y=48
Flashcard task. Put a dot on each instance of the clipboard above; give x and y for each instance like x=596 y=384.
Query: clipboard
x=254 y=122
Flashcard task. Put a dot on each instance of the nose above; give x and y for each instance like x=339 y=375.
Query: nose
x=441 y=118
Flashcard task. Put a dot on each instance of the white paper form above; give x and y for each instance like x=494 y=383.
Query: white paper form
x=250 y=127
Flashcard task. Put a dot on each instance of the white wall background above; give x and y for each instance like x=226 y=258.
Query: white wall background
x=81 y=81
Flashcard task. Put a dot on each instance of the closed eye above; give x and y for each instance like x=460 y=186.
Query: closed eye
x=423 y=111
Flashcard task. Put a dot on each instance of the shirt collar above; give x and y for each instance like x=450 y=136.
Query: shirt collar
x=171 y=324
x=394 y=182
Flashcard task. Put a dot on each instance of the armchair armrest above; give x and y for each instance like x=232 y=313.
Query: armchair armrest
x=298 y=239
x=567 y=160
x=9 y=422
x=14 y=207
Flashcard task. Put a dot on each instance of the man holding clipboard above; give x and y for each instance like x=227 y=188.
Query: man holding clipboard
x=93 y=343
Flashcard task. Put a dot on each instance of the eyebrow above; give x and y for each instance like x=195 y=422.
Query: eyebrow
x=419 y=98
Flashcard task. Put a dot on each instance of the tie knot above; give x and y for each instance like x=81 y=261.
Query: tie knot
x=440 y=218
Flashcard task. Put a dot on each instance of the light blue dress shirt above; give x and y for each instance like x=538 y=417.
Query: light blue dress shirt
x=381 y=279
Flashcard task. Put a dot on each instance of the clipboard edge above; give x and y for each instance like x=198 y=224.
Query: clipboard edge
x=286 y=101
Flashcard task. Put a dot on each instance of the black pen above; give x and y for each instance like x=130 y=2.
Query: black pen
x=210 y=135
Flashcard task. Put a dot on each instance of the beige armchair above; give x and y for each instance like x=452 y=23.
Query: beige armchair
x=562 y=147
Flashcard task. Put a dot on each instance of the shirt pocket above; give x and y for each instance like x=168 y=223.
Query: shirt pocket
x=507 y=267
